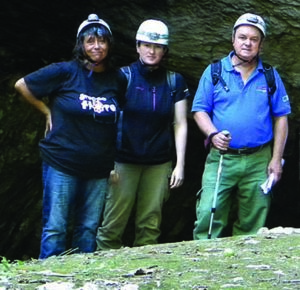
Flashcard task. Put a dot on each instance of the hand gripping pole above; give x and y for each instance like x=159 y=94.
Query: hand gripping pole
x=214 y=203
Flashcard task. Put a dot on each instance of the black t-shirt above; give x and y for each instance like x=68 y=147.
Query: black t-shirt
x=84 y=109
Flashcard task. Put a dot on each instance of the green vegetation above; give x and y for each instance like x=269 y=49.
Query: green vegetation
x=260 y=262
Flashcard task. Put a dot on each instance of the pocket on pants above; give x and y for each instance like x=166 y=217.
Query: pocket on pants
x=198 y=196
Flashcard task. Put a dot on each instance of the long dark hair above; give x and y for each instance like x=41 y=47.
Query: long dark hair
x=96 y=30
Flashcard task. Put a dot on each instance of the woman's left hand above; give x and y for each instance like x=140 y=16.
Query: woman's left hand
x=177 y=177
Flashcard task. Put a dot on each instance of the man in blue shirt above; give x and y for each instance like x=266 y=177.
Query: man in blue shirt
x=257 y=128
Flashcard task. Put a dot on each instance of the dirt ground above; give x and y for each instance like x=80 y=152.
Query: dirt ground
x=269 y=260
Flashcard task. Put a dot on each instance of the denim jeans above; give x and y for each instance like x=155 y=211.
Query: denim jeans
x=72 y=207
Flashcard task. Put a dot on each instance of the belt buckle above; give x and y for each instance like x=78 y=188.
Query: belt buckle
x=242 y=150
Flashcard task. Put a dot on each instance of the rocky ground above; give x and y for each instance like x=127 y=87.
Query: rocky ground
x=269 y=260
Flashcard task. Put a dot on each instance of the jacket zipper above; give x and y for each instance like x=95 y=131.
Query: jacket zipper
x=154 y=97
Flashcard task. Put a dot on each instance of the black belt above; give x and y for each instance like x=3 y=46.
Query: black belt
x=245 y=150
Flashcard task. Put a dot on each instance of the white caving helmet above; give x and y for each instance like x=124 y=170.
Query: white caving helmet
x=92 y=20
x=253 y=20
x=153 y=31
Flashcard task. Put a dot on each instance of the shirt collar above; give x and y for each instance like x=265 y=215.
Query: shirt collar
x=228 y=65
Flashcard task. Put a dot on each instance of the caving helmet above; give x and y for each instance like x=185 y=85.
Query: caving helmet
x=153 y=31
x=93 y=20
x=253 y=20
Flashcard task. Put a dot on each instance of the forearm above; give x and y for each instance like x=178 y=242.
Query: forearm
x=180 y=142
x=180 y=131
x=22 y=88
x=204 y=123
x=280 y=137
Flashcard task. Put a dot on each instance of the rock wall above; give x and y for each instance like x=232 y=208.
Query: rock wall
x=35 y=33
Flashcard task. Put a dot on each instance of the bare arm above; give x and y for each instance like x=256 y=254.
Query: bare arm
x=180 y=130
x=22 y=88
x=219 y=140
x=280 y=136
x=204 y=123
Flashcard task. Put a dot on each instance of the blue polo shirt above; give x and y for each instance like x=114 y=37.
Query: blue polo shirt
x=244 y=111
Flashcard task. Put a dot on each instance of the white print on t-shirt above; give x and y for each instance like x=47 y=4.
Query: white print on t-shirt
x=98 y=104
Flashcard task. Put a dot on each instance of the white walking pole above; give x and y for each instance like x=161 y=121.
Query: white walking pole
x=214 y=203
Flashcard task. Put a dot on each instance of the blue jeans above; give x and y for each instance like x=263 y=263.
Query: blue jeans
x=70 y=202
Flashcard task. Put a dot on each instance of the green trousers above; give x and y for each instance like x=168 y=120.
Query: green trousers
x=143 y=186
x=239 y=188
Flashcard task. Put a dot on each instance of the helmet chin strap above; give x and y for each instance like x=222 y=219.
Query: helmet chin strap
x=91 y=63
x=243 y=60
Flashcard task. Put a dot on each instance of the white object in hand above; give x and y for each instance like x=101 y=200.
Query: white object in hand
x=267 y=185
